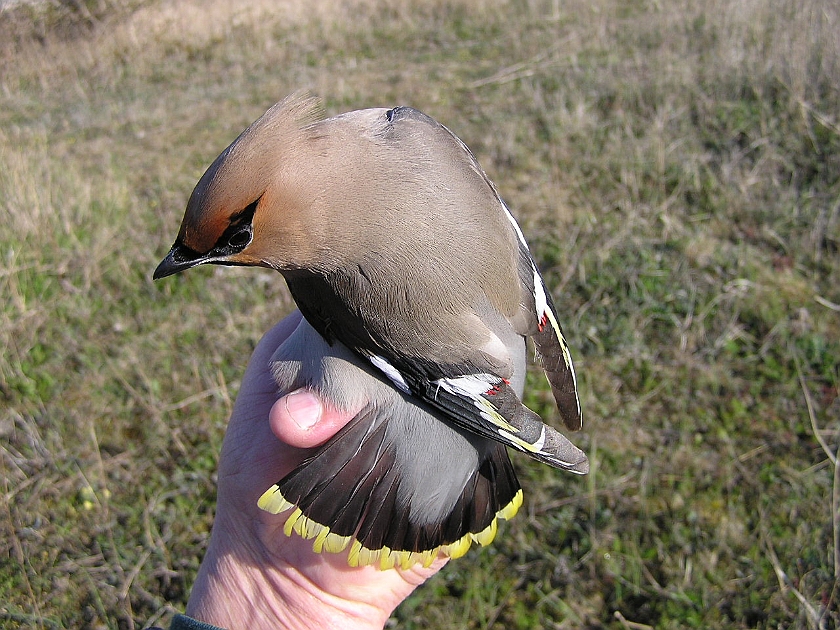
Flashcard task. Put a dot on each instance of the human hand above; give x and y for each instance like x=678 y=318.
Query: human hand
x=254 y=576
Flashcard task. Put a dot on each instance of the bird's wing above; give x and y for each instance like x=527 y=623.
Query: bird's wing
x=544 y=327
x=552 y=349
x=460 y=380
x=486 y=405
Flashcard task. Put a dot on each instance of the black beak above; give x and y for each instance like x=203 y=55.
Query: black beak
x=178 y=259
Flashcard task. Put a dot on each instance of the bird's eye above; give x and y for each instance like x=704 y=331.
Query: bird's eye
x=240 y=238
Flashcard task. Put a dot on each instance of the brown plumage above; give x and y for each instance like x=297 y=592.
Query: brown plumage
x=394 y=244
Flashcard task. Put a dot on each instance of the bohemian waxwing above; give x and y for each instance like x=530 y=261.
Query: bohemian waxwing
x=418 y=292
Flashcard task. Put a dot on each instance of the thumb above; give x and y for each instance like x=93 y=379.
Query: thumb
x=301 y=419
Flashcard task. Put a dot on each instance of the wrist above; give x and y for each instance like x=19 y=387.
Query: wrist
x=240 y=587
x=242 y=583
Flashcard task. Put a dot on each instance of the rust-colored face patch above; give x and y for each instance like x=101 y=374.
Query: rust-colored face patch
x=207 y=215
x=202 y=235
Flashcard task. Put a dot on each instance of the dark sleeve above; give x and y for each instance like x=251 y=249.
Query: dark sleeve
x=182 y=622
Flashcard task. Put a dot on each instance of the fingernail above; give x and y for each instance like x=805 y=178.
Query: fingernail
x=304 y=408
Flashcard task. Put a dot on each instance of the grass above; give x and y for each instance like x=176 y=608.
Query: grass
x=676 y=167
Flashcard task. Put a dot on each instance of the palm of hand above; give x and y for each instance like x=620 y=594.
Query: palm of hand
x=253 y=574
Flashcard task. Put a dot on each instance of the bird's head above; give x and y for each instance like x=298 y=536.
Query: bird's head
x=244 y=209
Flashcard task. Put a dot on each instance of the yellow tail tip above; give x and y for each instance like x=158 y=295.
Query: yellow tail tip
x=385 y=558
x=273 y=501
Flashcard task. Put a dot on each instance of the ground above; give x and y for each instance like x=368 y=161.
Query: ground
x=676 y=168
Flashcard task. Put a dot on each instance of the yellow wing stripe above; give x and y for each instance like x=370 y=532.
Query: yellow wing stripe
x=529 y=447
x=489 y=412
x=274 y=502
x=567 y=357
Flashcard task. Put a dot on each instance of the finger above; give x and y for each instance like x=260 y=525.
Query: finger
x=303 y=420
x=258 y=389
x=276 y=336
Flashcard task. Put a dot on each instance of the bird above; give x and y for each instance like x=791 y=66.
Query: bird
x=418 y=293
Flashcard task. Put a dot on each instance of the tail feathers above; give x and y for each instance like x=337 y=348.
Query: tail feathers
x=358 y=493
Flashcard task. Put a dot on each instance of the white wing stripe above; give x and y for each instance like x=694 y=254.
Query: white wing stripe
x=513 y=222
x=539 y=295
x=391 y=372
x=471 y=385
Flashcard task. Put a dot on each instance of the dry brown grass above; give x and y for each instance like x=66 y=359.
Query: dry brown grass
x=675 y=166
